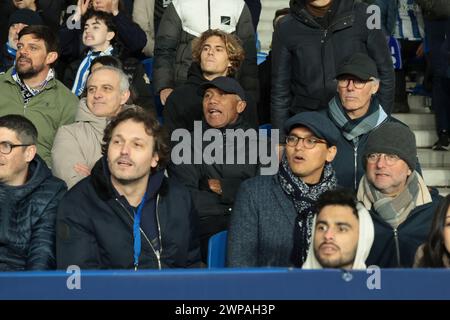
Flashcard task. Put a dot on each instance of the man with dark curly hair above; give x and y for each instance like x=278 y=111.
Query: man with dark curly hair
x=127 y=214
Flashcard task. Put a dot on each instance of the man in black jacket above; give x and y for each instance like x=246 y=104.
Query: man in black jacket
x=310 y=43
x=215 y=53
x=29 y=197
x=127 y=214
x=400 y=203
x=214 y=182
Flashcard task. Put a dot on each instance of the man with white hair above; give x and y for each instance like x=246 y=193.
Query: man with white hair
x=77 y=146
x=343 y=233
x=356 y=111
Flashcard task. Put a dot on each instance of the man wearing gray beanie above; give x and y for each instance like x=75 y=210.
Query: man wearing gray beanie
x=396 y=196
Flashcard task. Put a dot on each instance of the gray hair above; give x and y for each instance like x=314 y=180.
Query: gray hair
x=124 y=83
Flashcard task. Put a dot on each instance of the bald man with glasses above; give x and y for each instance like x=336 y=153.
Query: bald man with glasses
x=29 y=197
x=272 y=218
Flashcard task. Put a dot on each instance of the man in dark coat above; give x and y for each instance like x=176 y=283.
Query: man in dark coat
x=310 y=43
x=215 y=53
x=272 y=219
x=127 y=214
x=356 y=111
x=29 y=197
x=213 y=184
x=397 y=197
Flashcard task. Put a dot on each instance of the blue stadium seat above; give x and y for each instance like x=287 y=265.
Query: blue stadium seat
x=217 y=250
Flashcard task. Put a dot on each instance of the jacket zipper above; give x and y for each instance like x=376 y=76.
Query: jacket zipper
x=156 y=252
x=397 y=247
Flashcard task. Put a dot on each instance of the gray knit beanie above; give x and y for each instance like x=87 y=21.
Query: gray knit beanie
x=393 y=138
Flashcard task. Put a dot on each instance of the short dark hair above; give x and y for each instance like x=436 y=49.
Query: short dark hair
x=107 y=61
x=152 y=127
x=434 y=249
x=44 y=33
x=338 y=197
x=25 y=130
x=106 y=17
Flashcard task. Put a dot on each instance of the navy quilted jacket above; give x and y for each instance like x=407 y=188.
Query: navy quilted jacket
x=27 y=220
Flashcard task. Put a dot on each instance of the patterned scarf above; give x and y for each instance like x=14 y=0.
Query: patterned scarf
x=27 y=92
x=352 y=129
x=83 y=69
x=304 y=198
x=395 y=210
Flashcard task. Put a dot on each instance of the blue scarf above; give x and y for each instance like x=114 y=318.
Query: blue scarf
x=83 y=69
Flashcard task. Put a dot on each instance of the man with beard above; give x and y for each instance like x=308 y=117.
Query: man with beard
x=31 y=89
x=343 y=233
x=127 y=214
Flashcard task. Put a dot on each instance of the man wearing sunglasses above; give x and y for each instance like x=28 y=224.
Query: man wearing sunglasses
x=273 y=215
x=396 y=195
x=29 y=197
x=355 y=111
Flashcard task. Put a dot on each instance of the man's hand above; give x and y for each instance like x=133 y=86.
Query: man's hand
x=82 y=7
x=82 y=169
x=113 y=7
x=164 y=94
x=214 y=185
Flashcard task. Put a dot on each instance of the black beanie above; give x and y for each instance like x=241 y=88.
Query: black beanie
x=25 y=16
x=393 y=138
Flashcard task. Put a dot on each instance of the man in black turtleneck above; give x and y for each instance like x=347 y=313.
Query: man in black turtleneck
x=308 y=46
x=214 y=182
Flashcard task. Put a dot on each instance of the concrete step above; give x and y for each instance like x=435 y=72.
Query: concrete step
x=444 y=191
x=433 y=159
x=424 y=121
x=424 y=138
x=418 y=104
x=265 y=28
x=437 y=177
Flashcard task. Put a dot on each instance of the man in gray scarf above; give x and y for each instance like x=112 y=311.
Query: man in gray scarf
x=399 y=202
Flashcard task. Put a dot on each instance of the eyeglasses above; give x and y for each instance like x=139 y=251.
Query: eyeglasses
x=357 y=83
x=6 y=147
x=390 y=159
x=308 y=142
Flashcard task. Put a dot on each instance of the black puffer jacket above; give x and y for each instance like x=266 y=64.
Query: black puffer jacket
x=27 y=220
x=184 y=105
x=95 y=227
x=305 y=56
